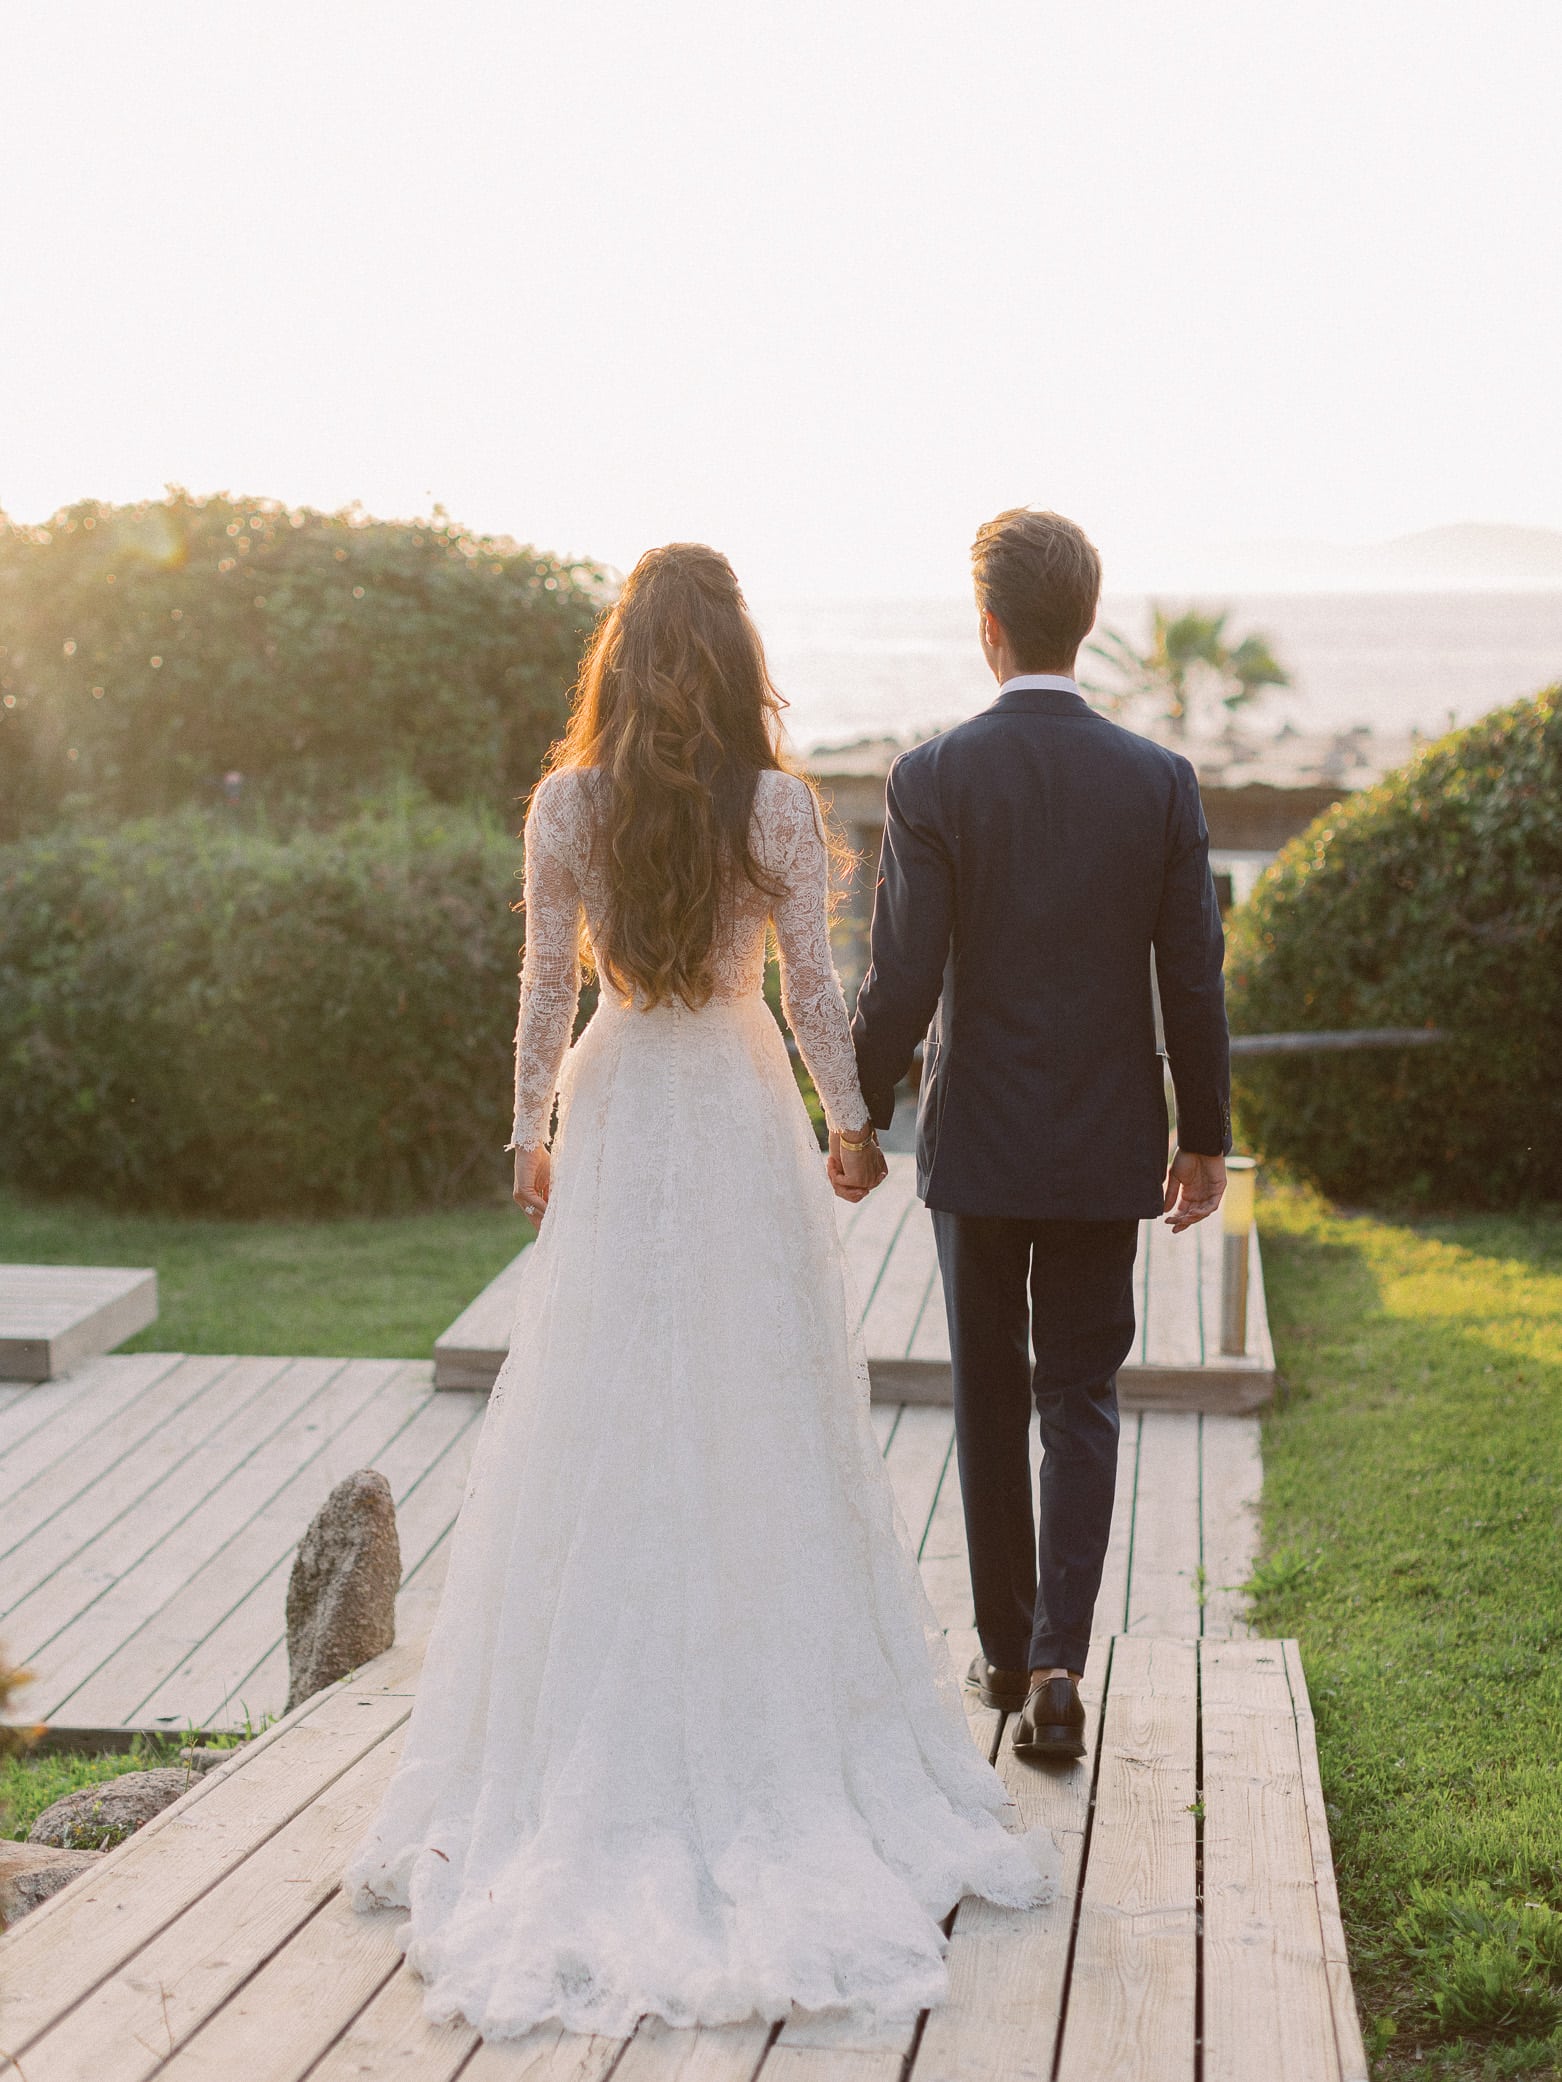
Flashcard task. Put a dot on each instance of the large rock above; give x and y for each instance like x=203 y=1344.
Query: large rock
x=31 y=1872
x=341 y=1596
x=94 y=1818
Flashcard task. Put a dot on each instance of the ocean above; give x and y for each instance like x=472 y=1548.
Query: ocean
x=1395 y=662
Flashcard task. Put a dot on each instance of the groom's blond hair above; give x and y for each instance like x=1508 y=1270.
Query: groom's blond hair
x=1040 y=575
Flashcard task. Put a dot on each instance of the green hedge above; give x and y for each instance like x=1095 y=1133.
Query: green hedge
x=198 y=1017
x=147 y=651
x=1434 y=899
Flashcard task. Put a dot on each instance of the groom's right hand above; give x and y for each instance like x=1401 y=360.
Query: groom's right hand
x=1195 y=1186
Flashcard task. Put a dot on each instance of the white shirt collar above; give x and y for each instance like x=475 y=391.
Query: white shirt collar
x=1028 y=680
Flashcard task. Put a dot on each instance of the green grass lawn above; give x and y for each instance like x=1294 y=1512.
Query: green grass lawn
x=1413 y=1542
x=348 y=1289
x=34 y=1780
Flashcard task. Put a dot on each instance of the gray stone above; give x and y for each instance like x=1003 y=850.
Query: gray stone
x=31 y=1872
x=94 y=1818
x=341 y=1596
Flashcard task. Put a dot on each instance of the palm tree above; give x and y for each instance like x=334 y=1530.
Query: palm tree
x=1184 y=650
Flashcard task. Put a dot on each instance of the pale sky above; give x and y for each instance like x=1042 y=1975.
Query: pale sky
x=824 y=282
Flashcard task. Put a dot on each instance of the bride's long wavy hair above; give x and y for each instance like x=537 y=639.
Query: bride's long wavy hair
x=675 y=708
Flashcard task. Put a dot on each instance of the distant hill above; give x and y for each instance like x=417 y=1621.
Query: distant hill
x=1472 y=550
x=1467 y=553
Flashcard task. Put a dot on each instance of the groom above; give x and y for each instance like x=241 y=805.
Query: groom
x=1034 y=858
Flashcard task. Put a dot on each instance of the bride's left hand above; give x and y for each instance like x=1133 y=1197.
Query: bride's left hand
x=533 y=1181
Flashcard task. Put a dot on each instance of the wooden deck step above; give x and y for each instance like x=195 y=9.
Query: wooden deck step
x=54 y=1316
x=1176 y=1362
x=215 y=1942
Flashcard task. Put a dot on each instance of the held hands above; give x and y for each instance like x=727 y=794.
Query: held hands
x=852 y=1172
x=1195 y=1187
x=855 y=1172
x=533 y=1181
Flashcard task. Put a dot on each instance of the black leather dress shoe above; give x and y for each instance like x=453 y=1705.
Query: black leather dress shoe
x=1051 y=1723
x=1002 y=1690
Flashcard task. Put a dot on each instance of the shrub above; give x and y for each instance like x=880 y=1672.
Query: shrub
x=199 y=1017
x=147 y=651
x=1434 y=899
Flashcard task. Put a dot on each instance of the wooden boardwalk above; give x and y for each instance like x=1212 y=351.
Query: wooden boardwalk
x=1176 y=1362
x=1196 y=1934
x=150 y=1506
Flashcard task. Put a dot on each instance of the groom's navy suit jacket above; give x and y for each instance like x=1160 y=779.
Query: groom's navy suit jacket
x=1033 y=857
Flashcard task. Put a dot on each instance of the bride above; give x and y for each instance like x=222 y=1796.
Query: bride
x=686 y=1741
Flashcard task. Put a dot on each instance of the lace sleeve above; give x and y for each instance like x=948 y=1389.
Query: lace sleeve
x=550 y=969
x=810 y=989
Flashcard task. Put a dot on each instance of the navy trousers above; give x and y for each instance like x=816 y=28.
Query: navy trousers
x=1065 y=1287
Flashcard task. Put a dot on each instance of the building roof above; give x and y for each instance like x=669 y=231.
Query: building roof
x=1242 y=756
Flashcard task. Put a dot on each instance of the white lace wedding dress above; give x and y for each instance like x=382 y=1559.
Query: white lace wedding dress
x=686 y=1741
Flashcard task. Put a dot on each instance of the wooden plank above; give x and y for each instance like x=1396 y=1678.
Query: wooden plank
x=64 y=1948
x=1136 y=1358
x=81 y=1643
x=946 y=1569
x=132 y=1504
x=1260 y=1345
x=868 y=1238
x=1266 y=1993
x=418 y=1599
x=470 y=1353
x=883 y=1416
x=429 y=1506
x=910 y=1267
x=1173 y=1330
x=25 y=1405
x=1214 y=1380
x=308 y=1993
x=1007 y=1966
x=1131 y=1992
x=54 y=1316
x=832 y=2048
x=232 y=1612
x=1351 y=2052
x=828 y=2048
x=389 y=2036
x=45 y=1428
x=138 y=1669
x=923 y=1441
x=1236 y=1383
x=1175 y=1363
x=659 y=2052
x=1111 y=1613
x=129 y=1589
x=143 y=2011
x=98 y=1449
x=1231 y=1480
x=1163 y=1587
x=930 y=1338
x=984 y=1723
x=425 y=1513
x=546 y=2055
